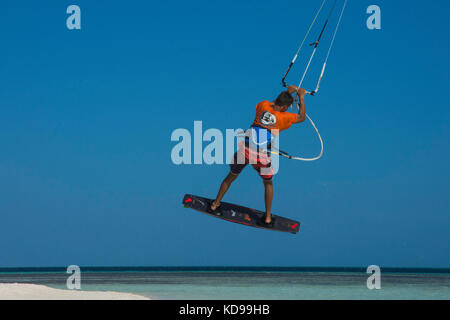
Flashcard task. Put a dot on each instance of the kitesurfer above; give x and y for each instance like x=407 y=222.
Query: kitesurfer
x=270 y=119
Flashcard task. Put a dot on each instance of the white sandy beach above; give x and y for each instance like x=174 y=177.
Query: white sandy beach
x=22 y=291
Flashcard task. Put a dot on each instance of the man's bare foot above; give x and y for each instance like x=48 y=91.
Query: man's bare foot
x=214 y=205
x=268 y=218
x=266 y=223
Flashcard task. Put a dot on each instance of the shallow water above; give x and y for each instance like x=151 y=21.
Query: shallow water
x=237 y=285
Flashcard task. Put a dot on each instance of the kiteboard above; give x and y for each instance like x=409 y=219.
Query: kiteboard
x=239 y=214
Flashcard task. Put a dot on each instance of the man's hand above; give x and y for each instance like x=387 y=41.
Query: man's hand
x=301 y=92
x=292 y=89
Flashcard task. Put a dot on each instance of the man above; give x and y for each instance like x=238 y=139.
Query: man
x=270 y=118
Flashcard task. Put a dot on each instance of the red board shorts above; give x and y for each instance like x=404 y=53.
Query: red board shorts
x=260 y=161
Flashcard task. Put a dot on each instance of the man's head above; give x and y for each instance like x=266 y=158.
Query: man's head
x=284 y=100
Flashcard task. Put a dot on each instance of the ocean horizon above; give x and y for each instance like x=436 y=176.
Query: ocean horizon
x=224 y=268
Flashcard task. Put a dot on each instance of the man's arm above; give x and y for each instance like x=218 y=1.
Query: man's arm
x=301 y=116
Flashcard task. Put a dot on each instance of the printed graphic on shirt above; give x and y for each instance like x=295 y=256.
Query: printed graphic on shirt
x=267 y=119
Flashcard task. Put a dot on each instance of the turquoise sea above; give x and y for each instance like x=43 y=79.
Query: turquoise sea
x=241 y=283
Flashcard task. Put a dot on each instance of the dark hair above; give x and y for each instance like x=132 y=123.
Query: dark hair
x=284 y=99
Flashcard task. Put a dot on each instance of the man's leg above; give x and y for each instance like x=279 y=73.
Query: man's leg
x=223 y=189
x=265 y=170
x=268 y=196
x=236 y=168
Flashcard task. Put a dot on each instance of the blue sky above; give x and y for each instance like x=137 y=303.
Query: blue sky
x=86 y=117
